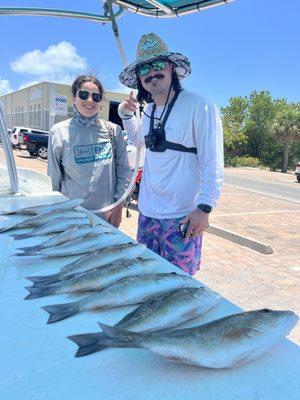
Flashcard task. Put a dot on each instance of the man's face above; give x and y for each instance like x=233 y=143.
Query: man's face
x=156 y=76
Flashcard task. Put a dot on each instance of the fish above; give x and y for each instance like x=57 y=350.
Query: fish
x=34 y=210
x=127 y=291
x=224 y=343
x=57 y=225
x=95 y=279
x=79 y=246
x=40 y=219
x=162 y=312
x=93 y=260
x=68 y=236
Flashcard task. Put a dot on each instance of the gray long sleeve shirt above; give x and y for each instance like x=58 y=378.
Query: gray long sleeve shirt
x=88 y=162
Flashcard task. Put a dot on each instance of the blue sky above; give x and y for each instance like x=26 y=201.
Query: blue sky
x=234 y=49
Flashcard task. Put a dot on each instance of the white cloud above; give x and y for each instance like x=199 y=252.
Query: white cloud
x=56 y=61
x=4 y=86
x=27 y=84
x=120 y=88
x=56 y=78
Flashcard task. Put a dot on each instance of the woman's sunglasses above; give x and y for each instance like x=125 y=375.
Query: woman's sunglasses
x=157 y=65
x=84 y=95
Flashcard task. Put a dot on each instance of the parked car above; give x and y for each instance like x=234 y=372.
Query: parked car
x=17 y=135
x=36 y=143
x=297 y=171
x=8 y=134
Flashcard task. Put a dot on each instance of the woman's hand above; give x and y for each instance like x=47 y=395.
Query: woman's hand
x=114 y=216
x=198 y=222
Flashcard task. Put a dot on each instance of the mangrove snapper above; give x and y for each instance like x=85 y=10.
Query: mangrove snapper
x=224 y=343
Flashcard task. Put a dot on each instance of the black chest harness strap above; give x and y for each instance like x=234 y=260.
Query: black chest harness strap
x=161 y=144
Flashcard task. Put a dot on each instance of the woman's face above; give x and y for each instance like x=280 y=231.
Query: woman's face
x=87 y=107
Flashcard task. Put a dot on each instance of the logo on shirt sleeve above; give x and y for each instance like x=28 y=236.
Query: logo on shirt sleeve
x=93 y=152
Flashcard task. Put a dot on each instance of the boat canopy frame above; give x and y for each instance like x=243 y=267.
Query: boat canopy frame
x=149 y=8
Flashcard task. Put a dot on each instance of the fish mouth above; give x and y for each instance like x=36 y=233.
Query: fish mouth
x=292 y=318
x=289 y=321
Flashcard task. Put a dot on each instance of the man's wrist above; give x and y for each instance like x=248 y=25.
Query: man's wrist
x=124 y=115
x=204 y=208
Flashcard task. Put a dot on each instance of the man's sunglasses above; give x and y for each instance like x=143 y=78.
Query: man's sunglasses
x=157 y=65
x=84 y=95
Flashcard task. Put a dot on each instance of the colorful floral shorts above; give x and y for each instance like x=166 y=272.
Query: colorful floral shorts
x=163 y=236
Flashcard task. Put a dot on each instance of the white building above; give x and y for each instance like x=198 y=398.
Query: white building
x=42 y=105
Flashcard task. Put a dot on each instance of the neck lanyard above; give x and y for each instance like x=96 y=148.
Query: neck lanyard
x=169 y=109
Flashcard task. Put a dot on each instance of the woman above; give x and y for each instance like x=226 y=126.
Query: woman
x=87 y=156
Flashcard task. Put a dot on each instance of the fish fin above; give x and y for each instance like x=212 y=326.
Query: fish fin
x=29 y=254
x=44 y=279
x=30 y=249
x=39 y=291
x=243 y=359
x=58 y=312
x=127 y=338
x=92 y=219
x=18 y=236
x=89 y=343
x=5 y=229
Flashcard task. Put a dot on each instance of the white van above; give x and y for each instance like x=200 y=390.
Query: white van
x=17 y=133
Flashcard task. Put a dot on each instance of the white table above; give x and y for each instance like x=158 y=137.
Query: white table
x=37 y=361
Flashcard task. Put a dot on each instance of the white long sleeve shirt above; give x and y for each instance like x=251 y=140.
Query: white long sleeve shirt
x=175 y=182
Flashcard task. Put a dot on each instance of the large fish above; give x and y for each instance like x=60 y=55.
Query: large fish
x=224 y=343
x=96 y=279
x=68 y=236
x=96 y=259
x=127 y=291
x=34 y=210
x=43 y=218
x=79 y=246
x=163 y=312
x=54 y=226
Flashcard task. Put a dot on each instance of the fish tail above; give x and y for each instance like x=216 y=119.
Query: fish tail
x=122 y=338
x=31 y=249
x=58 y=312
x=89 y=343
x=6 y=229
x=19 y=236
x=26 y=253
x=44 y=279
x=40 y=291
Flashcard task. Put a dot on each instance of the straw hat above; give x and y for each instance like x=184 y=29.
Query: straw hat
x=151 y=47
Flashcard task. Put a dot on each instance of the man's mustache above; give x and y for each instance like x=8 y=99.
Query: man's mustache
x=158 y=76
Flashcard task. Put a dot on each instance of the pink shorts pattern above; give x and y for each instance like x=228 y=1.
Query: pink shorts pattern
x=163 y=236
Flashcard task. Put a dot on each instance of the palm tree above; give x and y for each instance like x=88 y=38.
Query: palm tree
x=287 y=129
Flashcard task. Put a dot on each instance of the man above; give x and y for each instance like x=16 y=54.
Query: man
x=183 y=169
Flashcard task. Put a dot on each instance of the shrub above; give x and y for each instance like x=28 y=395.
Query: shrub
x=245 y=161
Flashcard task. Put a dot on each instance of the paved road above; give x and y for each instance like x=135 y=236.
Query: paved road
x=289 y=190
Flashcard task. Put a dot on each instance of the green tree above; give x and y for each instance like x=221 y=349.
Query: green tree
x=261 y=114
x=234 y=118
x=286 y=129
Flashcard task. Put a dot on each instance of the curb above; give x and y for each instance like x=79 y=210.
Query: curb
x=241 y=240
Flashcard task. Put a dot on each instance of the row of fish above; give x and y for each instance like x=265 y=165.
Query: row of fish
x=116 y=275
x=227 y=342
